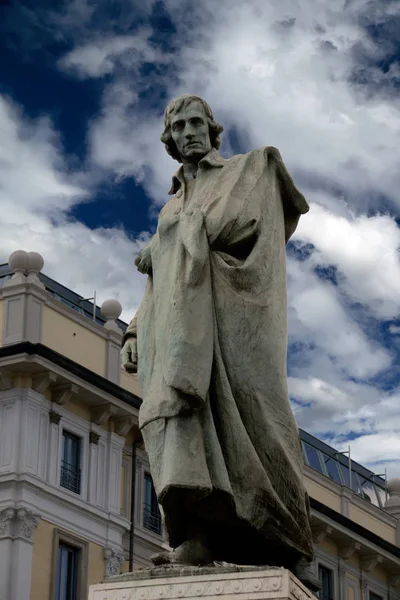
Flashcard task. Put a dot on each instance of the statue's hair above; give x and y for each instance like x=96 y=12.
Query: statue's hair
x=174 y=107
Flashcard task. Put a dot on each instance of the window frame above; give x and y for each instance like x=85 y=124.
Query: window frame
x=325 y=468
x=374 y=587
x=81 y=428
x=82 y=546
x=321 y=471
x=374 y=596
x=147 y=475
x=322 y=565
x=80 y=453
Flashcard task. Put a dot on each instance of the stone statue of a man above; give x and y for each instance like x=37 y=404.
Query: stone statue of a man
x=209 y=342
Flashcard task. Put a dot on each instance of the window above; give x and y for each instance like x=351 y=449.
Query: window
x=71 y=463
x=67 y=572
x=326 y=580
x=151 y=512
x=368 y=491
x=69 y=567
x=373 y=596
x=331 y=467
x=312 y=456
x=381 y=495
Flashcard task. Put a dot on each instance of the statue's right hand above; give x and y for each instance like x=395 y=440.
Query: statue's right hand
x=129 y=355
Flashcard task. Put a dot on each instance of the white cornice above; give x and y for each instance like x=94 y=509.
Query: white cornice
x=366 y=547
x=23 y=288
x=64 y=509
x=26 y=362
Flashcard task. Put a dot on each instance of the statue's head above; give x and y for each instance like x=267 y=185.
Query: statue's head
x=190 y=130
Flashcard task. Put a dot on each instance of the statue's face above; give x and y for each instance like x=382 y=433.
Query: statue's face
x=190 y=132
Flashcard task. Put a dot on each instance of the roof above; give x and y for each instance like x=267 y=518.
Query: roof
x=64 y=295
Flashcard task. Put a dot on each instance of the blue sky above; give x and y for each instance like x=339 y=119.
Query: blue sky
x=83 y=173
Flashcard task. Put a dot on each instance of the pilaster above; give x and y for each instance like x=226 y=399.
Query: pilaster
x=6 y=524
x=364 y=586
x=114 y=474
x=113 y=359
x=342 y=579
x=345 y=500
x=34 y=432
x=10 y=410
x=97 y=466
x=17 y=526
x=53 y=446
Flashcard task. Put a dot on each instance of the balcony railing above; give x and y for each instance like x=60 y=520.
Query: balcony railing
x=152 y=518
x=70 y=477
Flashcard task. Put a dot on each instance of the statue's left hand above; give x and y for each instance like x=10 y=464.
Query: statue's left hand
x=143 y=261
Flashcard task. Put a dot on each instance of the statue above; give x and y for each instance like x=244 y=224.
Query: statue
x=209 y=343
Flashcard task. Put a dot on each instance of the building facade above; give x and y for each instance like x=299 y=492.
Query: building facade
x=74 y=476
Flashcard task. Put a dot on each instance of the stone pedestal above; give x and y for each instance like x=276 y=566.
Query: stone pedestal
x=227 y=582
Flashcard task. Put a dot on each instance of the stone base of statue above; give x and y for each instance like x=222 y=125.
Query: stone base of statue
x=230 y=582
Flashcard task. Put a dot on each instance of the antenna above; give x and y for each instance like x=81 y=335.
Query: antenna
x=94 y=303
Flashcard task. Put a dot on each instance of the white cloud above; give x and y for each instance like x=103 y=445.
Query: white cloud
x=30 y=152
x=100 y=57
x=127 y=141
x=320 y=392
x=378 y=451
x=318 y=317
x=366 y=252
x=35 y=193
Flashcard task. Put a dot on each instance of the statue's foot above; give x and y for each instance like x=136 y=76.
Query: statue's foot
x=304 y=572
x=191 y=552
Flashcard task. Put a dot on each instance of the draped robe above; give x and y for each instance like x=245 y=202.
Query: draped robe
x=218 y=428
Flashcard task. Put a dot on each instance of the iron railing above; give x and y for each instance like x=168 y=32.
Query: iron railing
x=152 y=518
x=70 y=477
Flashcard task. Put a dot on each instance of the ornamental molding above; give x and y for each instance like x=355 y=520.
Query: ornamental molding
x=6 y=381
x=348 y=550
x=61 y=394
x=394 y=579
x=113 y=560
x=368 y=563
x=320 y=532
x=123 y=425
x=276 y=584
x=25 y=524
x=101 y=414
x=54 y=417
x=342 y=570
x=363 y=584
x=42 y=382
x=18 y=523
x=94 y=438
x=6 y=522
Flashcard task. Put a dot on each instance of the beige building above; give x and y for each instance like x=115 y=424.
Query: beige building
x=70 y=452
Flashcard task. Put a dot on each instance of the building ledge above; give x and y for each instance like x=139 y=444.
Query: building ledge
x=348 y=534
x=27 y=351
